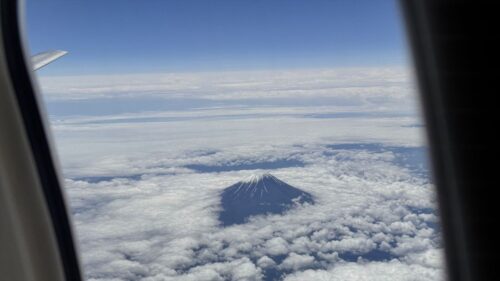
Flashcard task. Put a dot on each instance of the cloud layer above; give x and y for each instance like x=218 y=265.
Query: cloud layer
x=166 y=226
x=353 y=85
x=145 y=185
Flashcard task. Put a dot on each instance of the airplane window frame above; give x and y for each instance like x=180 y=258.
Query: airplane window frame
x=35 y=126
x=423 y=18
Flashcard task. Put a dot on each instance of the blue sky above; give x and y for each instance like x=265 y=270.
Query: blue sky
x=125 y=36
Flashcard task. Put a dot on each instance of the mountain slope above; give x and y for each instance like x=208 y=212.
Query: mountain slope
x=259 y=195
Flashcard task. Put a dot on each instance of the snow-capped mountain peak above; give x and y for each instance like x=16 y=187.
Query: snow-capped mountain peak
x=257 y=195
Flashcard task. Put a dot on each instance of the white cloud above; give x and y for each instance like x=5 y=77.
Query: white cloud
x=276 y=246
x=159 y=221
x=168 y=222
x=266 y=262
x=357 y=244
x=345 y=85
x=295 y=262
x=239 y=270
x=374 y=271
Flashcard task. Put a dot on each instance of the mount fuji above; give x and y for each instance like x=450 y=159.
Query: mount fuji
x=259 y=195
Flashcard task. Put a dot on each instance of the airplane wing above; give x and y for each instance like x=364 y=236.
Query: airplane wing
x=42 y=59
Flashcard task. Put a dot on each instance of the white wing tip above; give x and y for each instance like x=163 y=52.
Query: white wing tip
x=42 y=59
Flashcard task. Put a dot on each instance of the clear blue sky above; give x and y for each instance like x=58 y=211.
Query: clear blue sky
x=128 y=36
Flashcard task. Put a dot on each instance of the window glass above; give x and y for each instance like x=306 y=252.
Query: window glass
x=239 y=140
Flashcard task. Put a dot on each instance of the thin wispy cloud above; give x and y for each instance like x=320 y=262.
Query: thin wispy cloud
x=344 y=86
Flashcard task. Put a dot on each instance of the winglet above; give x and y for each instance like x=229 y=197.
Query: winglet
x=42 y=59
